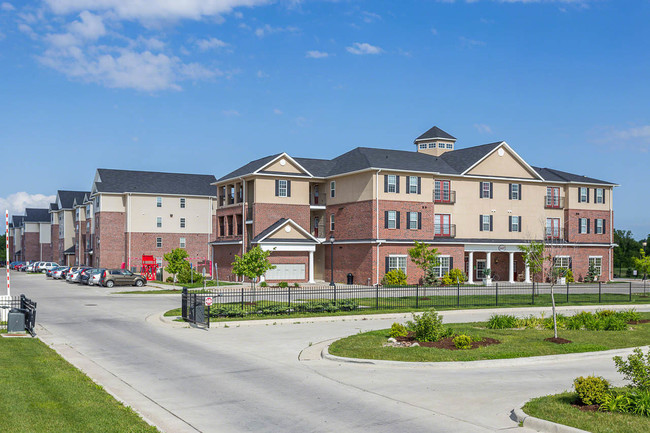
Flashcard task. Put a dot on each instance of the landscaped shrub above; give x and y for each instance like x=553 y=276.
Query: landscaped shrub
x=187 y=275
x=604 y=320
x=613 y=323
x=169 y=280
x=283 y=284
x=560 y=319
x=347 y=304
x=428 y=326
x=325 y=306
x=502 y=321
x=636 y=368
x=569 y=276
x=272 y=310
x=628 y=400
x=396 y=277
x=630 y=315
x=296 y=285
x=226 y=310
x=454 y=276
x=398 y=330
x=591 y=389
x=530 y=322
x=463 y=342
x=264 y=284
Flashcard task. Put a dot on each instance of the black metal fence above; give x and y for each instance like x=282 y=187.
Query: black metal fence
x=296 y=300
x=24 y=305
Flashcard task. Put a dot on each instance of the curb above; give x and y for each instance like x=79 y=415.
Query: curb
x=542 y=425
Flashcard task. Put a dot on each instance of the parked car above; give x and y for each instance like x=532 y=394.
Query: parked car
x=13 y=265
x=30 y=267
x=121 y=277
x=95 y=277
x=71 y=271
x=75 y=276
x=45 y=266
x=84 y=276
x=59 y=273
x=20 y=266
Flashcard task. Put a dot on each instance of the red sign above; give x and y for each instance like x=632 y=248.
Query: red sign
x=208 y=301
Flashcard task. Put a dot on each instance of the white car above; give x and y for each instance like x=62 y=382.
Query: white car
x=31 y=267
x=95 y=277
x=46 y=266
x=57 y=273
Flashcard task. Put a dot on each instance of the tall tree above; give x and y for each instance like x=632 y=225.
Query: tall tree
x=176 y=261
x=252 y=264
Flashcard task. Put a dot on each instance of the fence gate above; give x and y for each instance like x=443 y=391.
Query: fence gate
x=193 y=308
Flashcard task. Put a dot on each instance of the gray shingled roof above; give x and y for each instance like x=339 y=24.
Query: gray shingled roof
x=269 y=229
x=250 y=167
x=562 y=176
x=18 y=220
x=151 y=182
x=462 y=159
x=54 y=206
x=67 y=197
x=367 y=157
x=435 y=132
x=35 y=215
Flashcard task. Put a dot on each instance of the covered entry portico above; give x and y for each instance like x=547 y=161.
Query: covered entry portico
x=491 y=254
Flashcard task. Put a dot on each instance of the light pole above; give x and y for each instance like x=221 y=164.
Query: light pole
x=645 y=244
x=332 y=262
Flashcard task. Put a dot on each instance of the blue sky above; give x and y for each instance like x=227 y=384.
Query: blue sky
x=203 y=86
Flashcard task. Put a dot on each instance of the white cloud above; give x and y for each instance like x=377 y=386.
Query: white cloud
x=16 y=203
x=262 y=74
x=7 y=7
x=363 y=48
x=316 y=54
x=90 y=27
x=230 y=113
x=151 y=43
x=277 y=111
x=152 y=10
x=369 y=17
x=639 y=132
x=267 y=29
x=483 y=128
x=211 y=43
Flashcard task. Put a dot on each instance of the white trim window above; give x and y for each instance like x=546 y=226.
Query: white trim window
x=158 y=201
x=514 y=191
x=158 y=242
x=584 y=194
x=182 y=242
x=282 y=188
x=600 y=195
x=450 y=145
x=561 y=262
x=182 y=223
x=182 y=202
x=391 y=219
x=487 y=188
x=583 y=225
x=600 y=226
x=333 y=189
x=481 y=264
x=432 y=145
x=443 y=266
x=423 y=145
x=413 y=184
x=514 y=226
x=397 y=262
x=441 y=145
x=392 y=183
x=159 y=222
x=486 y=223
x=332 y=222
x=413 y=220
x=597 y=262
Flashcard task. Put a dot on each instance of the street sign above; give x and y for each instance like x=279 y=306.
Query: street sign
x=208 y=301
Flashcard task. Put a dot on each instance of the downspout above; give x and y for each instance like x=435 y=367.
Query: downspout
x=377 y=221
x=128 y=228
x=611 y=234
x=243 y=215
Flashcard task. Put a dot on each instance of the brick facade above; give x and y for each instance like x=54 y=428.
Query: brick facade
x=572 y=221
x=109 y=230
x=403 y=232
x=145 y=244
x=265 y=214
x=31 y=246
x=223 y=256
x=351 y=220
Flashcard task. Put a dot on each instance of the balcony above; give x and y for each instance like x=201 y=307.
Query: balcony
x=444 y=197
x=222 y=200
x=318 y=231
x=553 y=202
x=249 y=215
x=554 y=233
x=444 y=231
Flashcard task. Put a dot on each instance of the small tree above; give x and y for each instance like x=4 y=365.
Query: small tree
x=642 y=264
x=252 y=264
x=425 y=257
x=176 y=262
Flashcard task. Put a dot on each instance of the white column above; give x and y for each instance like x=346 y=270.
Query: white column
x=311 y=267
x=527 y=280
x=470 y=268
x=511 y=268
x=488 y=262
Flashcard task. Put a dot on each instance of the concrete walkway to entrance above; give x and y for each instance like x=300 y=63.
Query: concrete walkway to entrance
x=250 y=378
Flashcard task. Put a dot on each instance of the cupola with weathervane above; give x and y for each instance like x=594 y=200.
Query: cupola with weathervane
x=435 y=142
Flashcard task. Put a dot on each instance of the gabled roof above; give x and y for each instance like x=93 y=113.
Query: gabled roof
x=67 y=198
x=153 y=182
x=434 y=133
x=34 y=215
x=249 y=168
x=54 y=207
x=18 y=220
x=462 y=159
x=277 y=226
x=562 y=176
x=69 y=251
x=367 y=157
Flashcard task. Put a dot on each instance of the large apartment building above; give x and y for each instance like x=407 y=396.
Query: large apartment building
x=63 y=237
x=128 y=214
x=367 y=207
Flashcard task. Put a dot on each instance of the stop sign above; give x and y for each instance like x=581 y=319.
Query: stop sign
x=208 y=301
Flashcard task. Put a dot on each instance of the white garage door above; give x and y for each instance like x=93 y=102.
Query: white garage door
x=293 y=271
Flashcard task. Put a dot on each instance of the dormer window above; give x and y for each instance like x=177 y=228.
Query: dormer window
x=450 y=146
x=432 y=145
x=441 y=145
x=423 y=145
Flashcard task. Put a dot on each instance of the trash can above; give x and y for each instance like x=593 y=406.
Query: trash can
x=16 y=321
x=350 y=279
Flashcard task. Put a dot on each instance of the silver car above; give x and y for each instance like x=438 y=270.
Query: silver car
x=95 y=277
x=72 y=272
x=57 y=273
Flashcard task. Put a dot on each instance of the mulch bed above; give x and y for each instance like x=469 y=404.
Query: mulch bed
x=586 y=407
x=446 y=343
x=557 y=340
x=636 y=322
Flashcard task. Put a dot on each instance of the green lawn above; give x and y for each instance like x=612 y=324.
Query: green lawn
x=208 y=283
x=515 y=343
x=557 y=408
x=42 y=393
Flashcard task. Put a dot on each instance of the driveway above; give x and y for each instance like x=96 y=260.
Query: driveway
x=249 y=378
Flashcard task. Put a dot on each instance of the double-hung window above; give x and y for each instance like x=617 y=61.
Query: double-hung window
x=392 y=183
x=596 y=262
x=561 y=262
x=584 y=194
x=158 y=201
x=486 y=190
x=282 y=188
x=413 y=184
x=182 y=223
x=600 y=226
x=442 y=267
x=486 y=223
x=391 y=221
x=515 y=191
x=182 y=203
x=583 y=226
x=158 y=242
x=159 y=222
x=515 y=224
x=396 y=262
x=332 y=222
x=182 y=242
x=600 y=195
x=333 y=189
x=414 y=219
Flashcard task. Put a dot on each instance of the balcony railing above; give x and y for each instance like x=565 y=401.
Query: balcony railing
x=553 y=202
x=249 y=213
x=317 y=200
x=554 y=233
x=319 y=231
x=444 y=230
x=222 y=200
x=444 y=197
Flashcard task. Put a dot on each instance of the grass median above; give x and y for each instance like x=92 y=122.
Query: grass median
x=515 y=343
x=41 y=392
x=557 y=408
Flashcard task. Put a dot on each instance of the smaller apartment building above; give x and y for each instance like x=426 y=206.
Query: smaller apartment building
x=31 y=236
x=367 y=207
x=62 y=216
x=129 y=214
x=16 y=237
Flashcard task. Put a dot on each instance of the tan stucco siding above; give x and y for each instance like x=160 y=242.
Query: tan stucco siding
x=352 y=188
x=288 y=167
x=293 y=233
x=111 y=203
x=68 y=229
x=573 y=193
x=505 y=165
x=31 y=227
x=265 y=191
x=426 y=187
x=45 y=233
x=143 y=212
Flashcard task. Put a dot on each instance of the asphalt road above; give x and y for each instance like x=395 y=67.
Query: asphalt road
x=249 y=378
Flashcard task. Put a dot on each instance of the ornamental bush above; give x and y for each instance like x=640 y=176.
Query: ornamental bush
x=502 y=321
x=396 y=277
x=428 y=326
x=398 y=330
x=454 y=276
x=636 y=368
x=591 y=389
x=463 y=342
x=283 y=284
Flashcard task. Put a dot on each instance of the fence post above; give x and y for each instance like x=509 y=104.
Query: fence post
x=334 y=295
x=600 y=293
x=417 y=296
x=496 y=293
x=242 y=299
x=377 y=298
x=533 y=295
x=630 y=291
x=184 y=303
x=567 y=293
x=458 y=295
x=289 y=299
x=207 y=318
